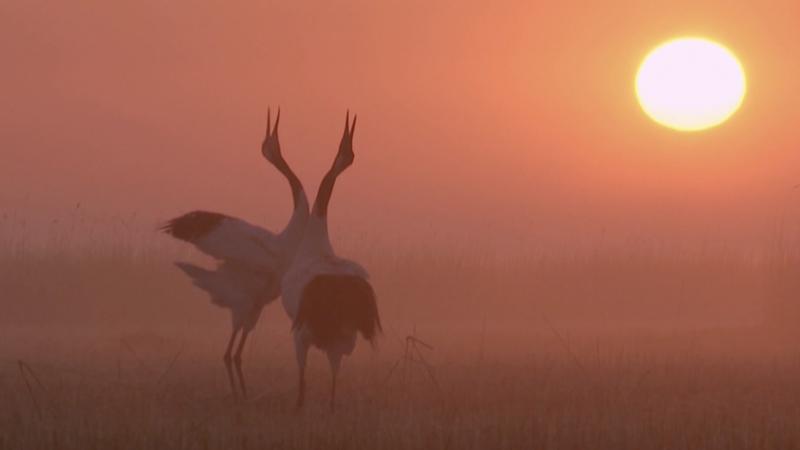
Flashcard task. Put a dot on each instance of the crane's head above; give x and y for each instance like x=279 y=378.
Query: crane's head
x=271 y=147
x=345 y=156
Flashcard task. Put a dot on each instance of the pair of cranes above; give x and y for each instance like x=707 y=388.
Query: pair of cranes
x=328 y=298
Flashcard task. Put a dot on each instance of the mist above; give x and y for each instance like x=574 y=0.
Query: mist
x=580 y=276
x=485 y=126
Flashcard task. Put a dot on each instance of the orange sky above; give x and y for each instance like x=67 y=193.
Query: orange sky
x=478 y=123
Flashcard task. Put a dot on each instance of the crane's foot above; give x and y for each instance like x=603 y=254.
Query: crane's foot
x=229 y=369
x=237 y=360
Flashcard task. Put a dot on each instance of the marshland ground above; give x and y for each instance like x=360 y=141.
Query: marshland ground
x=106 y=345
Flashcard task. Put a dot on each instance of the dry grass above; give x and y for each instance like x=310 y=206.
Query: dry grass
x=674 y=392
x=601 y=352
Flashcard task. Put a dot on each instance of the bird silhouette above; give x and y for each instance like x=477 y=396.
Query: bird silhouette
x=250 y=259
x=328 y=298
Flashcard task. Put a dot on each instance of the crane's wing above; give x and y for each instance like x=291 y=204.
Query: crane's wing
x=234 y=286
x=227 y=239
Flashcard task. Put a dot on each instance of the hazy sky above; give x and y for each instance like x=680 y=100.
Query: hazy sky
x=479 y=122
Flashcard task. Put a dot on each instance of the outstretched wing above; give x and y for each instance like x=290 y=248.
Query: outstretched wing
x=227 y=238
x=234 y=286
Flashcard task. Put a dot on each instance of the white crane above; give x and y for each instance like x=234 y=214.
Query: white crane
x=328 y=298
x=251 y=260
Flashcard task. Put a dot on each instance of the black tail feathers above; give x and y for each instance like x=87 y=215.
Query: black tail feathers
x=333 y=306
x=193 y=226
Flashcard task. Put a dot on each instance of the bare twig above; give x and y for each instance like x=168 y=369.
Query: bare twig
x=133 y=352
x=391 y=371
x=30 y=389
x=483 y=341
x=414 y=340
x=429 y=369
x=169 y=367
x=26 y=367
x=565 y=343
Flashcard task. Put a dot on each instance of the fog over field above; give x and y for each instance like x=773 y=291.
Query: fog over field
x=110 y=346
x=552 y=268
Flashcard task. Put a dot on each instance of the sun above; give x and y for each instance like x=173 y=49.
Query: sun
x=690 y=84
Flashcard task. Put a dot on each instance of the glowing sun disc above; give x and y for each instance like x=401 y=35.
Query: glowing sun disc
x=690 y=84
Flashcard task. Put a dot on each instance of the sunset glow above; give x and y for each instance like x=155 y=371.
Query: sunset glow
x=399 y=224
x=690 y=84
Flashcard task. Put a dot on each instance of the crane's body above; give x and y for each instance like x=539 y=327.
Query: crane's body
x=251 y=260
x=328 y=298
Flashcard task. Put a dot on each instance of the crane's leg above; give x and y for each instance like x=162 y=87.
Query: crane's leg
x=237 y=359
x=335 y=360
x=227 y=359
x=301 y=352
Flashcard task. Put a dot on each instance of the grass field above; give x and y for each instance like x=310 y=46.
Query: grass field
x=109 y=348
x=698 y=391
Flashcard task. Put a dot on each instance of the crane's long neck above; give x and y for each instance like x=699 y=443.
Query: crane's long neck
x=324 y=194
x=294 y=229
x=317 y=233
